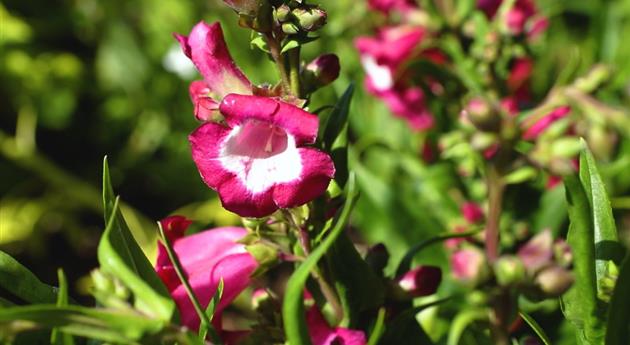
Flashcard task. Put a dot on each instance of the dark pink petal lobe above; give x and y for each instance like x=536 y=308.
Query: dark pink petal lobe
x=297 y=122
x=204 y=106
x=317 y=171
x=207 y=49
x=206 y=143
x=237 y=198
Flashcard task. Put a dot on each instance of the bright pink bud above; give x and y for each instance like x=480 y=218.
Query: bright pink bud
x=472 y=212
x=206 y=257
x=533 y=131
x=468 y=264
x=322 y=334
x=421 y=281
x=520 y=73
x=325 y=69
x=537 y=252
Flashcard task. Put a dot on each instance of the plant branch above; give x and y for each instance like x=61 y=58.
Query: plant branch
x=495 y=201
x=275 y=50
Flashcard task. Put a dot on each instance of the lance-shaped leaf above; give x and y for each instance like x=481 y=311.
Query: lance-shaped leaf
x=293 y=306
x=121 y=256
x=22 y=283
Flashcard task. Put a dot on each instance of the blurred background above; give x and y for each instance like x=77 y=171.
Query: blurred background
x=81 y=79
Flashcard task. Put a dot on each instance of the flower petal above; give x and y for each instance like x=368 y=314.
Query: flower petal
x=297 y=122
x=205 y=143
x=203 y=104
x=237 y=198
x=317 y=171
x=207 y=49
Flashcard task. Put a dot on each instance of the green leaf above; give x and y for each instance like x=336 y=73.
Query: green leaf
x=580 y=303
x=606 y=242
x=359 y=288
x=461 y=322
x=214 y=302
x=334 y=123
x=290 y=44
x=22 y=283
x=120 y=255
x=120 y=327
x=260 y=43
x=378 y=329
x=618 y=330
x=536 y=327
x=57 y=337
x=295 y=327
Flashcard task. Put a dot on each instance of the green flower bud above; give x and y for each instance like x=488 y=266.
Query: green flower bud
x=282 y=13
x=509 y=270
x=290 y=28
x=310 y=19
x=481 y=114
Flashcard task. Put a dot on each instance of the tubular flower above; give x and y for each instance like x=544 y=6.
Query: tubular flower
x=534 y=130
x=522 y=17
x=383 y=58
x=322 y=334
x=207 y=49
x=206 y=258
x=257 y=163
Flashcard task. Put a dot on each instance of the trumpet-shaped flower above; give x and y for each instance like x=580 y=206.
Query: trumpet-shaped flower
x=206 y=258
x=207 y=49
x=258 y=162
x=322 y=334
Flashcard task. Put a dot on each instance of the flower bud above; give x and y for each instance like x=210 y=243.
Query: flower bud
x=537 y=252
x=421 y=281
x=258 y=297
x=553 y=281
x=472 y=212
x=562 y=253
x=290 y=28
x=534 y=130
x=175 y=226
x=248 y=7
x=480 y=113
x=469 y=265
x=377 y=258
x=282 y=13
x=509 y=270
x=321 y=72
x=310 y=19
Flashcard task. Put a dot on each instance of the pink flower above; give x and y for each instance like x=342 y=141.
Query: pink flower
x=523 y=17
x=384 y=58
x=468 y=264
x=322 y=334
x=421 y=281
x=386 y=6
x=206 y=47
x=534 y=130
x=206 y=257
x=258 y=162
x=472 y=212
x=537 y=252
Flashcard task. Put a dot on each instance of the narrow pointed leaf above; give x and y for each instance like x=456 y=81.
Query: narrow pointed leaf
x=336 y=120
x=121 y=256
x=536 y=327
x=57 y=337
x=296 y=330
x=22 y=283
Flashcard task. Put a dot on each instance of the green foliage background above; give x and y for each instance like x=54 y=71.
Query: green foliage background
x=80 y=79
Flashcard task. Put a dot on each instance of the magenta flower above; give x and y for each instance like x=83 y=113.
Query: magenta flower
x=206 y=257
x=472 y=212
x=258 y=162
x=387 y=6
x=384 y=58
x=322 y=334
x=468 y=264
x=206 y=47
x=537 y=252
x=533 y=131
x=523 y=17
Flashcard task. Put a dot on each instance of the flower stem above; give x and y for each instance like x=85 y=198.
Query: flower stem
x=274 y=48
x=191 y=293
x=495 y=200
x=294 y=73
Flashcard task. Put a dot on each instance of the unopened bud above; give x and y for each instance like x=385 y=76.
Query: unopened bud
x=601 y=142
x=469 y=265
x=310 y=19
x=248 y=7
x=472 y=212
x=533 y=130
x=562 y=253
x=258 y=297
x=321 y=72
x=480 y=113
x=553 y=281
x=290 y=28
x=282 y=13
x=175 y=226
x=377 y=258
x=421 y=281
x=537 y=252
x=509 y=270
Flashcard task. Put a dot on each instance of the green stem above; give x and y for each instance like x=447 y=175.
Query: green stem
x=278 y=58
x=182 y=277
x=294 y=73
x=495 y=200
